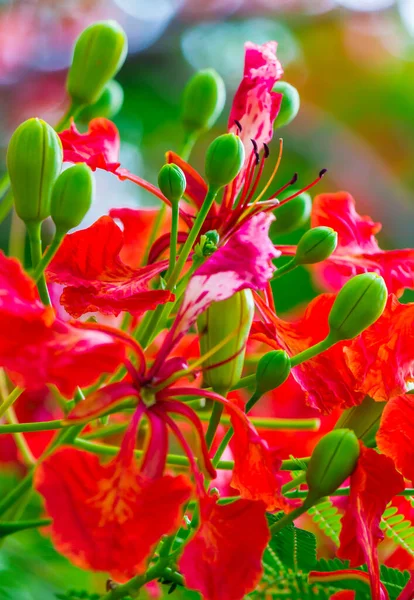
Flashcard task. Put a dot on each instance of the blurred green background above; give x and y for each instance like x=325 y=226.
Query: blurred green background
x=353 y=64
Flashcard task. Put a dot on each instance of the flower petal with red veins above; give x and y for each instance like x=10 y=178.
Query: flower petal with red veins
x=37 y=349
x=326 y=379
x=108 y=517
x=373 y=484
x=255 y=106
x=88 y=263
x=381 y=358
x=358 y=251
x=395 y=436
x=99 y=149
x=223 y=561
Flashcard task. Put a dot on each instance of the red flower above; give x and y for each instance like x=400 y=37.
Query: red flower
x=395 y=436
x=326 y=378
x=373 y=484
x=358 y=250
x=223 y=561
x=382 y=357
x=96 y=279
x=109 y=517
x=37 y=349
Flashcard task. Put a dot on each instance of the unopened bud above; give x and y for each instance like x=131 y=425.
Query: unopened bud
x=290 y=103
x=99 y=53
x=333 y=460
x=224 y=160
x=203 y=101
x=34 y=160
x=72 y=197
x=172 y=183
x=108 y=104
x=272 y=370
x=220 y=320
x=359 y=303
x=316 y=245
x=293 y=214
x=364 y=420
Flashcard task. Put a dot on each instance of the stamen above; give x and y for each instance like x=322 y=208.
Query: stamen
x=292 y=181
x=256 y=181
x=239 y=127
x=248 y=177
x=266 y=150
x=275 y=170
x=305 y=189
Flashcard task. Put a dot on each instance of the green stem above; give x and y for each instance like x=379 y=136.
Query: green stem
x=345 y=491
x=47 y=257
x=296 y=482
x=6 y=205
x=19 y=439
x=289 y=266
x=214 y=422
x=275 y=424
x=132 y=587
x=38 y=426
x=309 y=353
x=188 y=145
x=16 y=493
x=289 y=518
x=174 y=238
x=244 y=382
x=8 y=402
x=72 y=112
x=34 y=232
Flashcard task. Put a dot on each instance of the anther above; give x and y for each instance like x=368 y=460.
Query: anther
x=266 y=150
x=256 y=149
x=322 y=172
x=238 y=125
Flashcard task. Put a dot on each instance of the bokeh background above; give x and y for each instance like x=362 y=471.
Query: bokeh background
x=352 y=62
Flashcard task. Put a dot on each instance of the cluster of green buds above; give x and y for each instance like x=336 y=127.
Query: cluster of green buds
x=207 y=245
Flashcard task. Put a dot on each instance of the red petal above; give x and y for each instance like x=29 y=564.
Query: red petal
x=223 y=560
x=382 y=357
x=101 y=401
x=358 y=250
x=395 y=437
x=344 y=595
x=108 y=517
x=88 y=263
x=373 y=484
x=37 y=348
x=196 y=187
x=326 y=379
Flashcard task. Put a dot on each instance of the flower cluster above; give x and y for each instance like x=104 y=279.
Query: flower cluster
x=138 y=329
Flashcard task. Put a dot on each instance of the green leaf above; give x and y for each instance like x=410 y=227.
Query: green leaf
x=294 y=547
x=398 y=528
x=328 y=518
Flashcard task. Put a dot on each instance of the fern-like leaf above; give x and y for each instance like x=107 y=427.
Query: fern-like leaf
x=328 y=518
x=399 y=529
x=294 y=547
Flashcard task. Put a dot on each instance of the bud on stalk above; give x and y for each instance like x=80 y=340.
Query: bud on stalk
x=364 y=420
x=272 y=370
x=34 y=160
x=108 y=104
x=203 y=101
x=172 y=182
x=333 y=460
x=234 y=315
x=71 y=198
x=224 y=160
x=99 y=53
x=316 y=245
x=358 y=305
x=290 y=103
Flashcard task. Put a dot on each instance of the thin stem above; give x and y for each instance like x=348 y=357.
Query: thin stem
x=213 y=423
x=289 y=518
x=34 y=232
x=289 y=266
x=17 y=493
x=38 y=426
x=71 y=113
x=296 y=482
x=11 y=398
x=6 y=204
x=188 y=145
x=132 y=587
x=312 y=351
x=274 y=424
x=47 y=257
x=174 y=238
x=19 y=438
x=245 y=382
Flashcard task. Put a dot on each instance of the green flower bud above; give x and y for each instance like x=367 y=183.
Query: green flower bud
x=34 y=160
x=172 y=183
x=72 y=197
x=224 y=160
x=316 y=245
x=364 y=420
x=290 y=103
x=220 y=320
x=99 y=53
x=108 y=104
x=333 y=460
x=358 y=305
x=203 y=101
x=272 y=370
x=292 y=215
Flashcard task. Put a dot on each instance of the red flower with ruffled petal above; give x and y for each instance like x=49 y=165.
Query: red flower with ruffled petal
x=109 y=517
x=223 y=561
x=326 y=378
x=382 y=357
x=88 y=264
x=373 y=484
x=358 y=250
x=37 y=348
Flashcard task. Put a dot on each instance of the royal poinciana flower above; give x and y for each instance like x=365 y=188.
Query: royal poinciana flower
x=357 y=250
x=88 y=264
x=373 y=484
x=37 y=348
x=102 y=510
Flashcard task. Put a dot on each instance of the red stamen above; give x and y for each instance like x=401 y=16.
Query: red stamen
x=288 y=184
x=305 y=189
